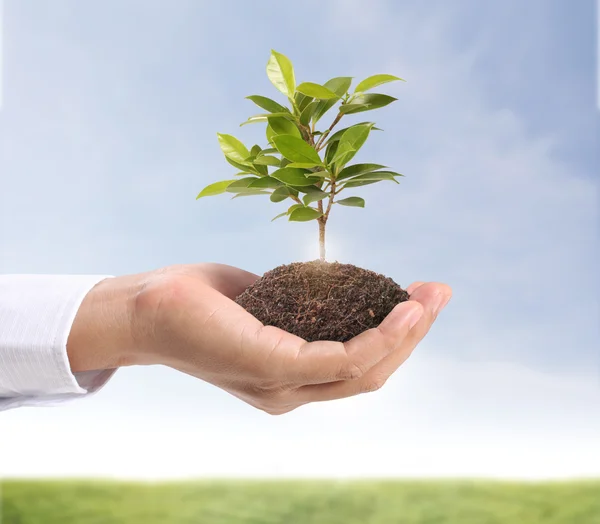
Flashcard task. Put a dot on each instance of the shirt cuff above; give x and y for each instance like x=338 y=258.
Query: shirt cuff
x=36 y=316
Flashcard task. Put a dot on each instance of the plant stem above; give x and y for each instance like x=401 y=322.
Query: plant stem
x=323 y=220
x=322 y=223
x=326 y=133
x=332 y=194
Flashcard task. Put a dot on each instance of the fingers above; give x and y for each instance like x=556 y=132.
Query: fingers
x=413 y=287
x=431 y=298
x=322 y=362
x=373 y=345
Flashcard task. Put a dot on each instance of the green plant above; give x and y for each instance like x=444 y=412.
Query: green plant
x=309 y=167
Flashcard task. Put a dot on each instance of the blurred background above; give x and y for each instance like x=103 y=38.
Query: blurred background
x=108 y=132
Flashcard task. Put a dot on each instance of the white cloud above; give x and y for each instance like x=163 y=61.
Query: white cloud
x=435 y=418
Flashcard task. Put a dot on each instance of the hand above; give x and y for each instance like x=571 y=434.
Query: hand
x=185 y=317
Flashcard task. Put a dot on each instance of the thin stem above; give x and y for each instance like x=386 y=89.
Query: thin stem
x=331 y=196
x=306 y=135
x=322 y=240
x=322 y=222
x=309 y=137
x=320 y=144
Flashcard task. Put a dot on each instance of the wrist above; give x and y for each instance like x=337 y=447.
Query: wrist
x=101 y=336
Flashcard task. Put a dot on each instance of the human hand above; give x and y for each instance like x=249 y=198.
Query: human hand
x=185 y=317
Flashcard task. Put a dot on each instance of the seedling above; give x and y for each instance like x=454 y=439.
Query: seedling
x=311 y=169
x=300 y=163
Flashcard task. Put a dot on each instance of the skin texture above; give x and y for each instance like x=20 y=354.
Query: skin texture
x=185 y=317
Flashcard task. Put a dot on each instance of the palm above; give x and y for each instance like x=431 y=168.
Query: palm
x=215 y=339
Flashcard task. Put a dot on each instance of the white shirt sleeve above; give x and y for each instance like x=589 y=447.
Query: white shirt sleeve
x=36 y=316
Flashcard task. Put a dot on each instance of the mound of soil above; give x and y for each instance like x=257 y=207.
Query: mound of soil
x=322 y=300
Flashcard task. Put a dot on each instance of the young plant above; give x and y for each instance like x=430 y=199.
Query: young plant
x=302 y=164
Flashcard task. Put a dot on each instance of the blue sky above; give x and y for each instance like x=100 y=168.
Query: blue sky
x=108 y=132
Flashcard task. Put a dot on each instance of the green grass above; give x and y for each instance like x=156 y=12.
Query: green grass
x=295 y=502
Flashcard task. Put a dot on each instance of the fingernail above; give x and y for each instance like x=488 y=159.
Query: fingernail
x=414 y=316
x=440 y=302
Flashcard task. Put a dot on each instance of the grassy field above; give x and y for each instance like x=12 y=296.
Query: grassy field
x=295 y=502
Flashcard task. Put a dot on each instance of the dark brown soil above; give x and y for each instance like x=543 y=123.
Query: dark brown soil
x=322 y=300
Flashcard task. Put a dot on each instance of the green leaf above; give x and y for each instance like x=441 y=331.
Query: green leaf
x=366 y=102
x=303 y=165
x=304 y=214
x=338 y=134
x=331 y=151
x=314 y=196
x=256 y=119
x=265 y=118
x=280 y=194
x=257 y=169
x=245 y=166
x=215 y=189
x=292 y=208
x=267 y=104
x=233 y=148
x=294 y=177
x=268 y=151
x=339 y=85
x=240 y=184
x=305 y=189
x=375 y=176
x=282 y=126
x=289 y=211
x=320 y=174
x=374 y=99
x=279 y=215
x=302 y=101
x=267 y=161
x=393 y=173
x=348 y=109
x=360 y=183
x=308 y=112
x=261 y=170
x=287 y=116
x=296 y=149
x=316 y=91
x=370 y=178
x=255 y=150
x=352 y=201
x=266 y=182
x=281 y=73
x=358 y=169
x=251 y=193
x=351 y=141
x=374 y=81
